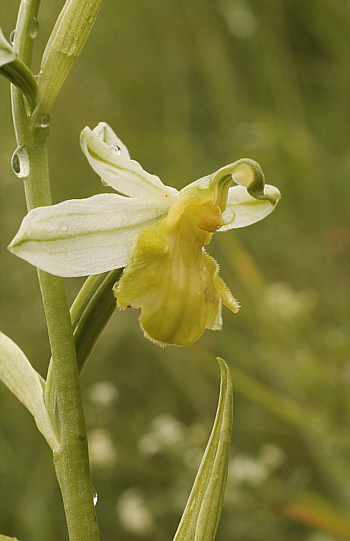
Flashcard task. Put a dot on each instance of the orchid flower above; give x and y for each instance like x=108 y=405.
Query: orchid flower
x=156 y=232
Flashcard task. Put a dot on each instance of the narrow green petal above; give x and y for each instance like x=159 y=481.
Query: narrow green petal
x=24 y=382
x=247 y=210
x=80 y=237
x=124 y=175
x=201 y=516
x=249 y=174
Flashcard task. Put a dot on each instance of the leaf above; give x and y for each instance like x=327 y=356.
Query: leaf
x=6 y=538
x=25 y=383
x=201 y=516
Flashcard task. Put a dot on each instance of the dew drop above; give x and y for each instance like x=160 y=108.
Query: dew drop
x=94 y=496
x=20 y=161
x=12 y=37
x=38 y=74
x=44 y=121
x=116 y=149
x=69 y=46
x=228 y=216
x=33 y=27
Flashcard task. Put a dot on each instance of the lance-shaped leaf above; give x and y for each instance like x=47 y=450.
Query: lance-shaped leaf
x=201 y=516
x=25 y=383
x=65 y=44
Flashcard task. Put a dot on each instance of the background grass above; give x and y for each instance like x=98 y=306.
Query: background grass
x=191 y=85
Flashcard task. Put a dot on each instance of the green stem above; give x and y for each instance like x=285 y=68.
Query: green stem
x=71 y=460
x=23 y=45
x=89 y=314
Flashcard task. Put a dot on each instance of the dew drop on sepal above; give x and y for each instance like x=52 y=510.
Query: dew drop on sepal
x=116 y=149
x=20 y=161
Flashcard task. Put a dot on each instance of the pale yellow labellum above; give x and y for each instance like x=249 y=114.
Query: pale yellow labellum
x=170 y=275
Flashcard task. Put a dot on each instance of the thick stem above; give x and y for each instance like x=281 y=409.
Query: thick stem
x=71 y=460
x=23 y=45
x=89 y=314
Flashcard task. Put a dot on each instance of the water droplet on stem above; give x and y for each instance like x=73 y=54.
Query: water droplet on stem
x=20 y=161
x=44 y=121
x=94 y=496
x=12 y=36
x=33 y=27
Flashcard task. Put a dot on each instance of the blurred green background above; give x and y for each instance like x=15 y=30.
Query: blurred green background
x=189 y=86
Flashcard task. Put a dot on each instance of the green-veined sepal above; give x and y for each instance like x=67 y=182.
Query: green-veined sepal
x=80 y=237
x=126 y=176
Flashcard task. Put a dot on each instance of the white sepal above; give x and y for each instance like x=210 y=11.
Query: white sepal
x=124 y=175
x=107 y=135
x=25 y=383
x=80 y=237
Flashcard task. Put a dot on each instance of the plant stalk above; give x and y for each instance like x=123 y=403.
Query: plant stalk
x=71 y=461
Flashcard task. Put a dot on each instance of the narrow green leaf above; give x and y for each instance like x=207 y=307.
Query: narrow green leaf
x=201 y=516
x=91 y=311
x=26 y=384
